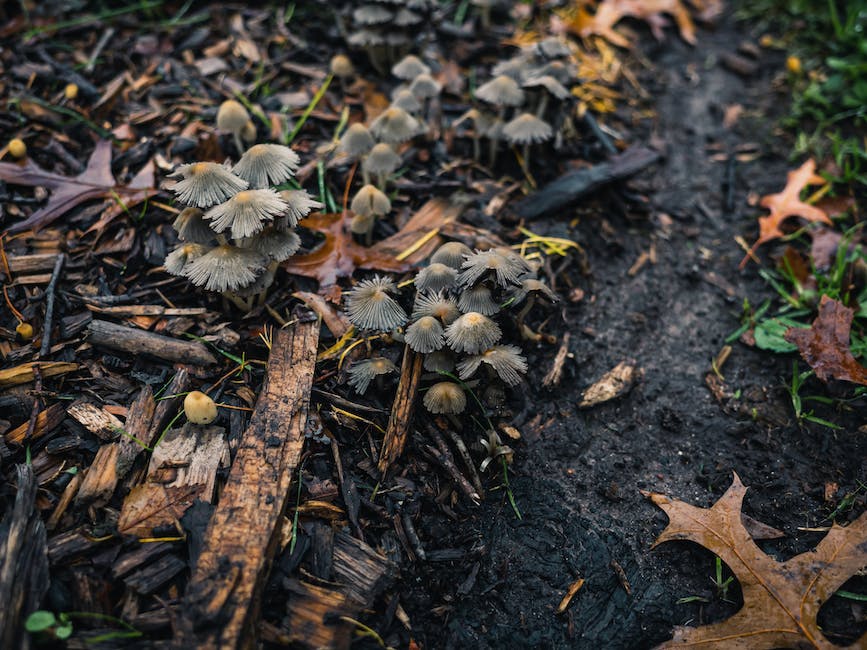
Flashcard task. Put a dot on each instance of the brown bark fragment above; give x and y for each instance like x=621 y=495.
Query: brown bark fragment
x=402 y=410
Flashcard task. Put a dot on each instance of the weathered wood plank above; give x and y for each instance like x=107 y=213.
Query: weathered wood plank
x=135 y=341
x=221 y=605
x=402 y=410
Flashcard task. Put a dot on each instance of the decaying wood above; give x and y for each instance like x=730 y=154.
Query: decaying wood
x=46 y=421
x=221 y=605
x=190 y=455
x=420 y=235
x=553 y=376
x=135 y=341
x=98 y=421
x=26 y=372
x=23 y=561
x=402 y=409
x=573 y=185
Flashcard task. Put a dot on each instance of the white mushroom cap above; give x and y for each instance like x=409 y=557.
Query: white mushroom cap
x=527 y=129
x=232 y=117
x=478 y=298
x=371 y=15
x=246 y=212
x=516 y=68
x=370 y=201
x=404 y=18
x=501 y=91
x=279 y=245
x=369 y=306
x=298 y=205
x=404 y=99
x=436 y=277
x=424 y=87
x=532 y=285
x=506 y=360
x=553 y=48
x=550 y=84
x=451 y=254
x=409 y=67
x=473 y=332
x=445 y=397
x=425 y=335
x=395 y=125
x=264 y=165
x=437 y=305
x=204 y=184
x=191 y=227
x=365 y=38
x=490 y=262
x=177 y=260
x=225 y=268
x=382 y=159
x=356 y=141
x=362 y=372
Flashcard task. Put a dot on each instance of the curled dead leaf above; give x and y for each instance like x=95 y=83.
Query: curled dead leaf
x=614 y=383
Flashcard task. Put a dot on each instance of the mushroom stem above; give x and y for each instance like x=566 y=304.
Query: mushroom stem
x=239 y=144
x=543 y=104
x=531 y=301
x=222 y=240
x=368 y=235
x=495 y=143
x=238 y=301
x=525 y=157
x=477 y=147
x=381 y=180
x=365 y=175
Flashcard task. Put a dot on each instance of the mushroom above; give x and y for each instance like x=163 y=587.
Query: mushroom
x=436 y=277
x=17 y=148
x=406 y=18
x=425 y=88
x=279 y=245
x=177 y=260
x=425 y=335
x=531 y=289
x=445 y=397
x=451 y=254
x=403 y=98
x=342 y=68
x=442 y=360
x=191 y=227
x=527 y=129
x=246 y=212
x=437 y=305
x=298 y=205
x=225 y=268
x=204 y=184
x=516 y=67
x=199 y=408
x=478 y=298
x=232 y=118
x=356 y=141
x=409 y=67
x=369 y=204
x=483 y=124
x=492 y=262
x=265 y=165
x=395 y=125
x=506 y=360
x=551 y=87
x=473 y=332
x=362 y=372
x=502 y=92
x=370 y=306
x=381 y=161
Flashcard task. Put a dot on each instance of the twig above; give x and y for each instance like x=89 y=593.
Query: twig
x=97 y=50
x=402 y=409
x=468 y=461
x=555 y=374
x=49 y=306
x=412 y=536
x=599 y=134
x=443 y=455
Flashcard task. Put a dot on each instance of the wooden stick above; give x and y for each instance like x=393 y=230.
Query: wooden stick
x=134 y=341
x=401 y=410
x=221 y=605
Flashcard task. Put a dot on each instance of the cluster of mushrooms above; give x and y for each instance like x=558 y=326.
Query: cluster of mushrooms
x=453 y=323
x=523 y=102
x=236 y=228
x=387 y=29
x=375 y=145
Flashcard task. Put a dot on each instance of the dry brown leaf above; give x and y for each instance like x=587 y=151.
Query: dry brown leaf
x=613 y=383
x=611 y=12
x=95 y=182
x=825 y=344
x=781 y=599
x=152 y=505
x=339 y=255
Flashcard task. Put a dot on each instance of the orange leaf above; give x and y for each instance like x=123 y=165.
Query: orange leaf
x=788 y=203
x=781 y=599
x=825 y=344
x=95 y=182
x=611 y=12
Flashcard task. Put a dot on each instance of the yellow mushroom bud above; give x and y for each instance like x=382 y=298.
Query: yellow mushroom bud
x=199 y=408
x=24 y=331
x=793 y=65
x=71 y=91
x=17 y=148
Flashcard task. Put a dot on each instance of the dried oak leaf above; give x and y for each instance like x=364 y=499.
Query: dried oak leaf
x=338 y=256
x=781 y=599
x=95 y=182
x=611 y=12
x=825 y=344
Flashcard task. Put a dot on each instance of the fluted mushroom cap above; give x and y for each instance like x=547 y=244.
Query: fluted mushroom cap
x=553 y=48
x=478 y=298
x=177 y=260
x=298 y=205
x=436 y=277
x=515 y=68
x=425 y=335
x=341 y=66
x=356 y=141
x=246 y=212
x=279 y=245
x=369 y=306
x=404 y=99
x=395 y=125
x=382 y=159
x=533 y=286
x=404 y=18
x=365 y=38
x=371 y=15
x=225 y=268
x=437 y=305
x=409 y=67
x=232 y=116
x=506 y=360
x=561 y=71
x=424 y=87
x=204 y=184
x=549 y=83
x=527 y=129
x=191 y=226
x=501 y=91
x=442 y=360
x=370 y=201
x=451 y=254
x=363 y=371
x=264 y=165
x=473 y=332
x=490 y=262
x=445 y=397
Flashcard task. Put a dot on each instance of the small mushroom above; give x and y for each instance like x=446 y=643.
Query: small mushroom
x=506 y=360
x=232 y=118
x=445 y=397
x=265 y=165
x=437 y=305
x=380 y=162
x=409 y=67
x=406 y=18
x=369 y=305
x=403 y=98
x=478 y=298
x=473 y=332
x=451 y=254
x=191 y=227
x=370 y=203
x=482 y=264
x=395 y=125
x=425 y=335
x=204 y=184
x=177 y=260
x=530 y=289
x=527 y=129
x=298 y=205
x=279 y=245
x=551 y=87
x=356 y=141
x=342 y=68
x=436 y=277
x=501 y=91
x=225 y=268
x=199 y=408
x=246 y=212
x=362 y=372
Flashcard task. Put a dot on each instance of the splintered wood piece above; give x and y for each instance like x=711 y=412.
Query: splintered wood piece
x=98 y=421
x=190 y=455
x=114 y=460
x=402 y=409
x=419 y=237
x=46 y=421
x=24 y=373
x=135 y=341
x=23 y=560
x=221 y=605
